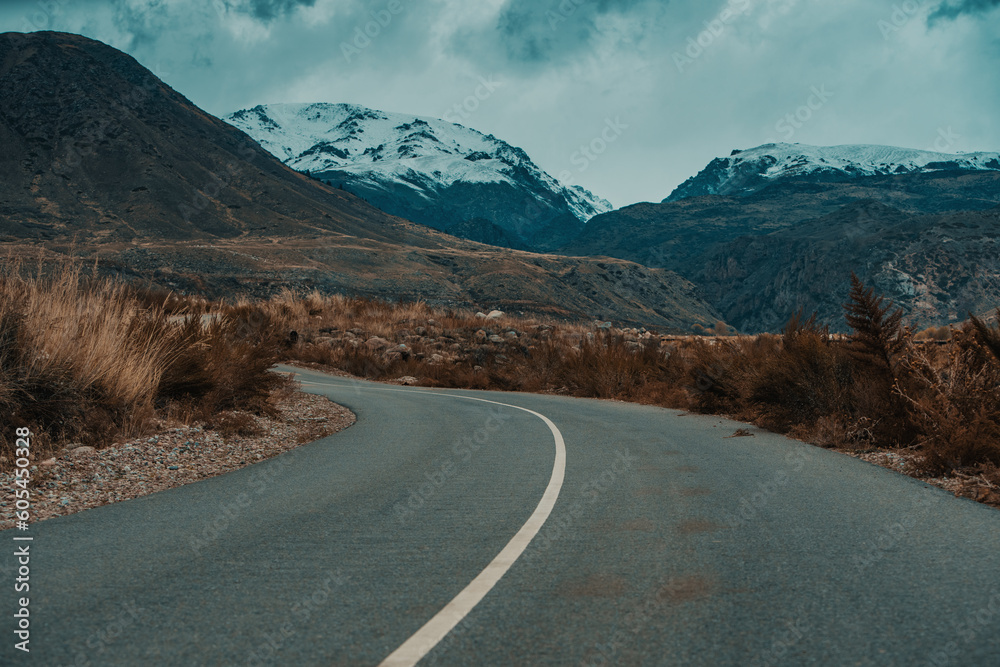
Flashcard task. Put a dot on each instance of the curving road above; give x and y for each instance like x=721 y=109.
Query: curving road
x=458 y=532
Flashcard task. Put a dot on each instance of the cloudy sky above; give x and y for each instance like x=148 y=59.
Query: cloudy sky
x=625 y=97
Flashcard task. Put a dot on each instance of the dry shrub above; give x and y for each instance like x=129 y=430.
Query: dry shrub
x=224 y=363
x=934 y=333
x=874 y=389
x=800 y=380
x=781 y=383
x=956 y=402
x=608 y=366
x=711 y=376
x=879 y=346
x=93 y=360
x=78 y=362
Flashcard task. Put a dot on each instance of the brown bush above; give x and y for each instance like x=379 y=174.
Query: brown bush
x=956 y=401
x=856 y=392
x=93 y=360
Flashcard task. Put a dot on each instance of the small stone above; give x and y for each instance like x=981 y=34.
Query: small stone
x=495 y=339
x=407 y=380
x=173 y=467
x=481 y=316
x=49 y=462
x=82 y=451
x=495 y=315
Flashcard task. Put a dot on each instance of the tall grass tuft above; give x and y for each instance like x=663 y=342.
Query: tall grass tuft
x=92 y=361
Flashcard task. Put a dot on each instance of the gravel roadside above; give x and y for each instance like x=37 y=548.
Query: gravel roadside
x=80 y=478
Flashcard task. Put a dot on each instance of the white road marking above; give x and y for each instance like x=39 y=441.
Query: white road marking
x=434 y=630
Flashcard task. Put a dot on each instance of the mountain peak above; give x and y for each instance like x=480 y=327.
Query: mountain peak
x=747 y=171
x=428 y=170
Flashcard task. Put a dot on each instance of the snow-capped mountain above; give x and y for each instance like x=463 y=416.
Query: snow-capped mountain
x=437 y=173
x=745 y=172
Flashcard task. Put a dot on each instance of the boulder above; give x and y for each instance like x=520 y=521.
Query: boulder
x=376 y=343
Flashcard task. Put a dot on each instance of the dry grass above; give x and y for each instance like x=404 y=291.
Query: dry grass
x=94 y=361
x=877 y=388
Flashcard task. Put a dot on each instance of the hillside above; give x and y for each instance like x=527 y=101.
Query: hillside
x=101 y=158
x=928 y=239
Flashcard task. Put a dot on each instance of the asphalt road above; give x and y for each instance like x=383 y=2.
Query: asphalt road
x=667 y=544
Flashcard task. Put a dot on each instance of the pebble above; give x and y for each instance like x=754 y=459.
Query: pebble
x=129 y=470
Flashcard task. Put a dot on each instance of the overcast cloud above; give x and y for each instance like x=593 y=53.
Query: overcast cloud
x=680 y=81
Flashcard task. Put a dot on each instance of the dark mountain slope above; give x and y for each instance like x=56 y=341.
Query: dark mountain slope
x=96 y=147
x=100 y=157
x=759 y=257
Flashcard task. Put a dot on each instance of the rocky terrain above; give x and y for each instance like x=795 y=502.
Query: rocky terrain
x=80 y=478
x=103 y=161
x=430 y=171
x=927 y=239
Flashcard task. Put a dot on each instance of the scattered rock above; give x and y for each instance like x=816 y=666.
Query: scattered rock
x=495 y=339
x=495 y=315
x=481 y=316
x=376 y=343
x=86 y=478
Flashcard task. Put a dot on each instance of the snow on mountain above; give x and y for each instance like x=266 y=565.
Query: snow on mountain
x=431 y=171
x=745 y=172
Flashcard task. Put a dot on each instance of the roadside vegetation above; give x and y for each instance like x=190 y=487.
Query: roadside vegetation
x=92 y=361
x=934 y=395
